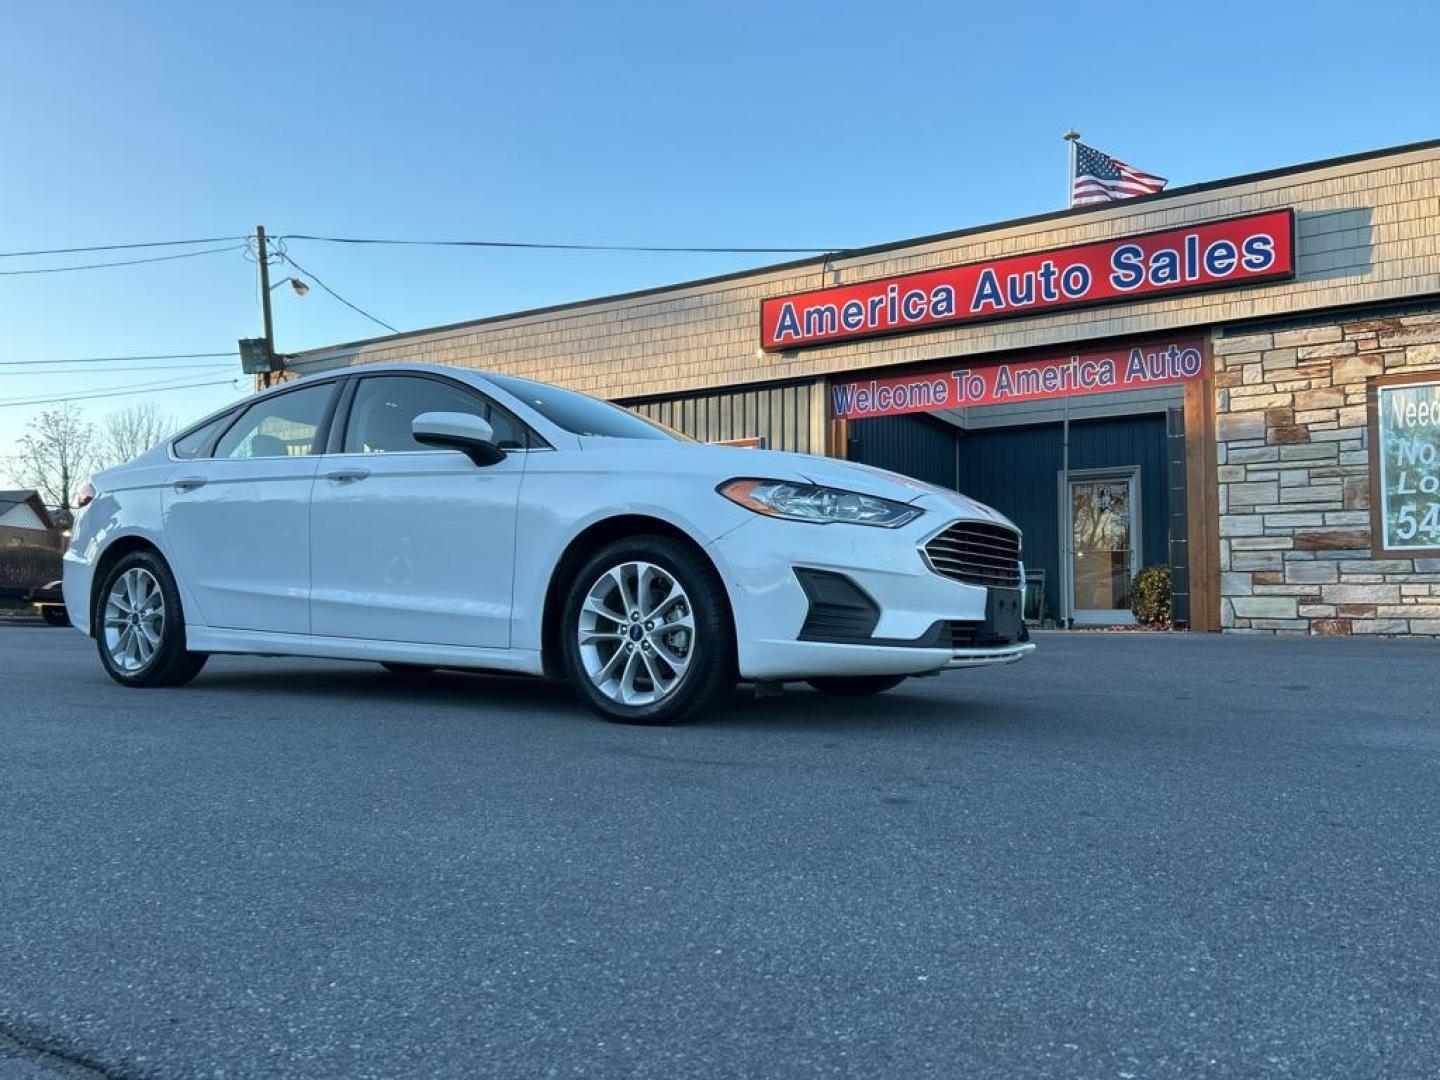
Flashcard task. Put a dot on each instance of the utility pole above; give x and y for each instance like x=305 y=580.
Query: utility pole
x=263 y=260
x=258 y=355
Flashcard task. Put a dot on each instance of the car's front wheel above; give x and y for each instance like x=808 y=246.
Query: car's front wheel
x=140 y=626
x=856 y=685
x=647 y=635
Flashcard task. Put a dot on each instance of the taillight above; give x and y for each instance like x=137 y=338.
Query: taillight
x=84 y=495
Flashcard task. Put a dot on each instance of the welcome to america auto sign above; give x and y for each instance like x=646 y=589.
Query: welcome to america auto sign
x=961 y=384
x=1218 y=254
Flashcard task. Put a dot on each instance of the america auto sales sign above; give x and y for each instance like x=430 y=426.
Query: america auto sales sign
x=1218 y=254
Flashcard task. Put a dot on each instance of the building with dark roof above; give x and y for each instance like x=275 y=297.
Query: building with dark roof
x=1239 y=380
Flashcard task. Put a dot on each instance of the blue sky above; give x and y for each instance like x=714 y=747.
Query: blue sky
x=764 y=124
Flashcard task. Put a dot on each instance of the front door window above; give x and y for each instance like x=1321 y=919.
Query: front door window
x=1102 y=549
x=386 y=405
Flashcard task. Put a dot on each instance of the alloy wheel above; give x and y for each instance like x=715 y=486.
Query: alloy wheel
x=134 y=619
x=636 y=633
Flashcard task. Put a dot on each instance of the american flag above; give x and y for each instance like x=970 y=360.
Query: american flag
x=1101 y=178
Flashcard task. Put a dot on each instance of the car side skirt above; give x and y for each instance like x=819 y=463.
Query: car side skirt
x=210 y=639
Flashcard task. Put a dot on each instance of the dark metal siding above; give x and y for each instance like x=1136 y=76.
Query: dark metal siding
x=1016 y=470
x=778 y=414
x=913 y=445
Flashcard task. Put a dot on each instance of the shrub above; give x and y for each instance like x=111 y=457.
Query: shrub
x=1151 y=597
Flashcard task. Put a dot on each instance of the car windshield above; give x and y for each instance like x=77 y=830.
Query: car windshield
x=581 y=414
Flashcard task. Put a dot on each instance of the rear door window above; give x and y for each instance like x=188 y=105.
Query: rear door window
x=280 y=426
x=194 y=443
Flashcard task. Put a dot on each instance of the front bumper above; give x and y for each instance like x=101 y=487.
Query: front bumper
x=773 y=613
x=993 y=656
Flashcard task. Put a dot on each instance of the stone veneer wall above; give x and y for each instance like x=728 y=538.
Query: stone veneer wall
x=1294 y=481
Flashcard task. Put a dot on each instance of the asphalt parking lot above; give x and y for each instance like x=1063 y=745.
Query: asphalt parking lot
x=1132 y=856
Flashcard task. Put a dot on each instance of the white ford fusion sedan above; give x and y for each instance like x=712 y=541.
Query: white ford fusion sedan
x=423 y=517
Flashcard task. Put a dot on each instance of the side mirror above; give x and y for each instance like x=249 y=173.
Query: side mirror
x=469 y=434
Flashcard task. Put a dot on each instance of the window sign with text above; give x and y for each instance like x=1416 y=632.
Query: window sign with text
x=1405 y=464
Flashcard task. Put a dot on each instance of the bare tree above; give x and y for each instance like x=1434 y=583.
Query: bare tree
x=130 y=432
x=57 y=451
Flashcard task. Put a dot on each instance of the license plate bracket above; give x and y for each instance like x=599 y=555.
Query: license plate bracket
x=1004 y=618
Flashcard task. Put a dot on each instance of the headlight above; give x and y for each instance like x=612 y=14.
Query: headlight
x=818 y=505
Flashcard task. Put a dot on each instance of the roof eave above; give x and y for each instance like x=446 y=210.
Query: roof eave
x=875 y=249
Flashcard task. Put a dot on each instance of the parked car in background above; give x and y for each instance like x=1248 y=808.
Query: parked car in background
x=423 y=517
x=49 y=603
x=31 y=540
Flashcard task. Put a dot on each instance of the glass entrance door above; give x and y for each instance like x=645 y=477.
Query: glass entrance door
x=1104 y=544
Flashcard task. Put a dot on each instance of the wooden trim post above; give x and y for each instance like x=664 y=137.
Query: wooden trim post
x=1202 y=498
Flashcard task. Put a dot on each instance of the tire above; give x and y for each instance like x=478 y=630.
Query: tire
x=406 y=669
x=155 y=653
x=55 y=616
x=856 y=685
x=667 y=669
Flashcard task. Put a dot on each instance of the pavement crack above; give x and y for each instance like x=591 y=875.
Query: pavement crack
x=20 y=1045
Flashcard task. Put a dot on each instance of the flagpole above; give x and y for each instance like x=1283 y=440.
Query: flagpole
x=1072 y=137
x=1067 y=526
x=1067 y=522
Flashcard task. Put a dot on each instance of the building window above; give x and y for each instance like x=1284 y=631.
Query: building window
x=1404 y=415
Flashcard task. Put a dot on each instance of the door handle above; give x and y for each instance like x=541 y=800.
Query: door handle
x=189 y=483
x=347 y=476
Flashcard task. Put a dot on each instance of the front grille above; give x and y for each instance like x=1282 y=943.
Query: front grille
x=977 y=553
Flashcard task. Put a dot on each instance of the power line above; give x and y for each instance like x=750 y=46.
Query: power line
x=122 y=262
x=199 y=369
x=144 y=388
x=537 y=245
x=121 y=247
x=116 y=359
x=559 y=247
x=337 y=296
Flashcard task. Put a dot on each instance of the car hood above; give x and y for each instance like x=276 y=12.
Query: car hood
x=868 y=480
x=721 y=463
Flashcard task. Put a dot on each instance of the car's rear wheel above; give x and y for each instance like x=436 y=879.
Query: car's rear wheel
x=646 y=633
x=407 y=669
x=140 y=625
x=856 y=685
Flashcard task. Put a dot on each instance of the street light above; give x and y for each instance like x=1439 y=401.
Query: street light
x=257 y=355
x=295 y=283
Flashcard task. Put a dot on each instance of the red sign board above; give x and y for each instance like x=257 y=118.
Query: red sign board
x=1218 y=254
x=963 y=384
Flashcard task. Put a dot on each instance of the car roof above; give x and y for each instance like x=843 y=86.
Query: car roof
x=392 y=366
x=475 y=377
